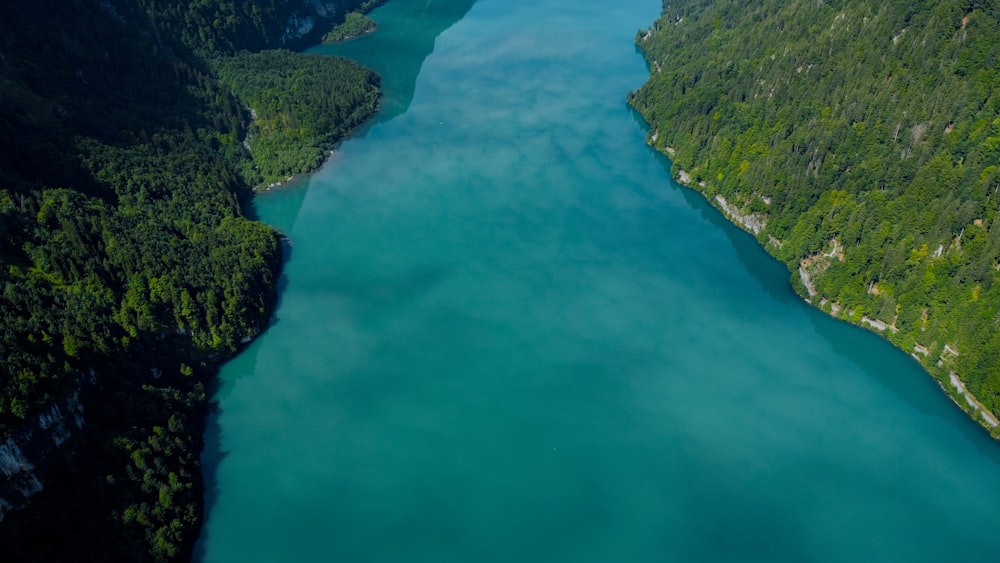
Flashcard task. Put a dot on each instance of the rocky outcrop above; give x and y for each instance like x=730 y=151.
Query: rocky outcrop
x=975 y=405
x=303 y=21
x=24 y=455
x=748 y=221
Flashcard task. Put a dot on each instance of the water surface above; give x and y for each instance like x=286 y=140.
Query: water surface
x=505 y=335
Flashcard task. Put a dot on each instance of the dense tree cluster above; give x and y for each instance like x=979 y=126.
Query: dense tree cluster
x=137 y=230
x=127 y=267
x=222 y=27
x=302 y=104
x=355 y=24
x=867 y=137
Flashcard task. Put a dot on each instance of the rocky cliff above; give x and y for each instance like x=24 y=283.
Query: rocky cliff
x=23 y=456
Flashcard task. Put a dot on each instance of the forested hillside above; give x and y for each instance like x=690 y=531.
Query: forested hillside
x=860 y=143
x=303 y=105
x=128 y=267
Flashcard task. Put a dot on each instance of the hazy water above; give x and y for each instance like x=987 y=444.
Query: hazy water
x=506 y=335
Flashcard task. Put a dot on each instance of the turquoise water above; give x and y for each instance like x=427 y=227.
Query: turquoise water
x=505 y=335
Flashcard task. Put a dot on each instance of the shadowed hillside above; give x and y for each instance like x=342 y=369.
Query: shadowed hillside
x=129 y=268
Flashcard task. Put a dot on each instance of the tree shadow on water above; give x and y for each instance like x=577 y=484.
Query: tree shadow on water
x=892 y=368
x=212 y=455
x=902 y=375
x=404 y=38
x=772 y=275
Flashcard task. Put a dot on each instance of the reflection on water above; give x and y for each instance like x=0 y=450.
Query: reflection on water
x=405 y=37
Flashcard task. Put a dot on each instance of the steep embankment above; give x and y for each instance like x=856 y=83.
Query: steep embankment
x=127 y=266
x=860 y=144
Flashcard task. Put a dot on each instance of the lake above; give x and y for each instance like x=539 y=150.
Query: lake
x=505 y=334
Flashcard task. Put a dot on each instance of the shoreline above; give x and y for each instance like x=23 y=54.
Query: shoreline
x=331 y=153
x=349 y=38
x=975 y=410
x=207 y=481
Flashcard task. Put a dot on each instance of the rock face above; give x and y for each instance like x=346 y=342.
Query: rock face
x=323 y=9
x=305 y=16
x=24 y=455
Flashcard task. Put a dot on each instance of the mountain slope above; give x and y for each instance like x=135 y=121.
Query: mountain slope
x=860 y=143
x=128 y=268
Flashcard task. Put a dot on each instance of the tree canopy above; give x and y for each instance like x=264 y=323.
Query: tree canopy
x=302 y=105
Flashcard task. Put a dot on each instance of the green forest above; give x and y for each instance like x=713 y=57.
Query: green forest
x=355 y=24
x=129 y=269
x=860 y=144
x=302 y=105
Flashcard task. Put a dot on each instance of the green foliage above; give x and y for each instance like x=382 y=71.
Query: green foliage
x=126 y=265
x=213 y=27
x=873 y=128
x=223 y=27
x=355 y=24
x=303 y=105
